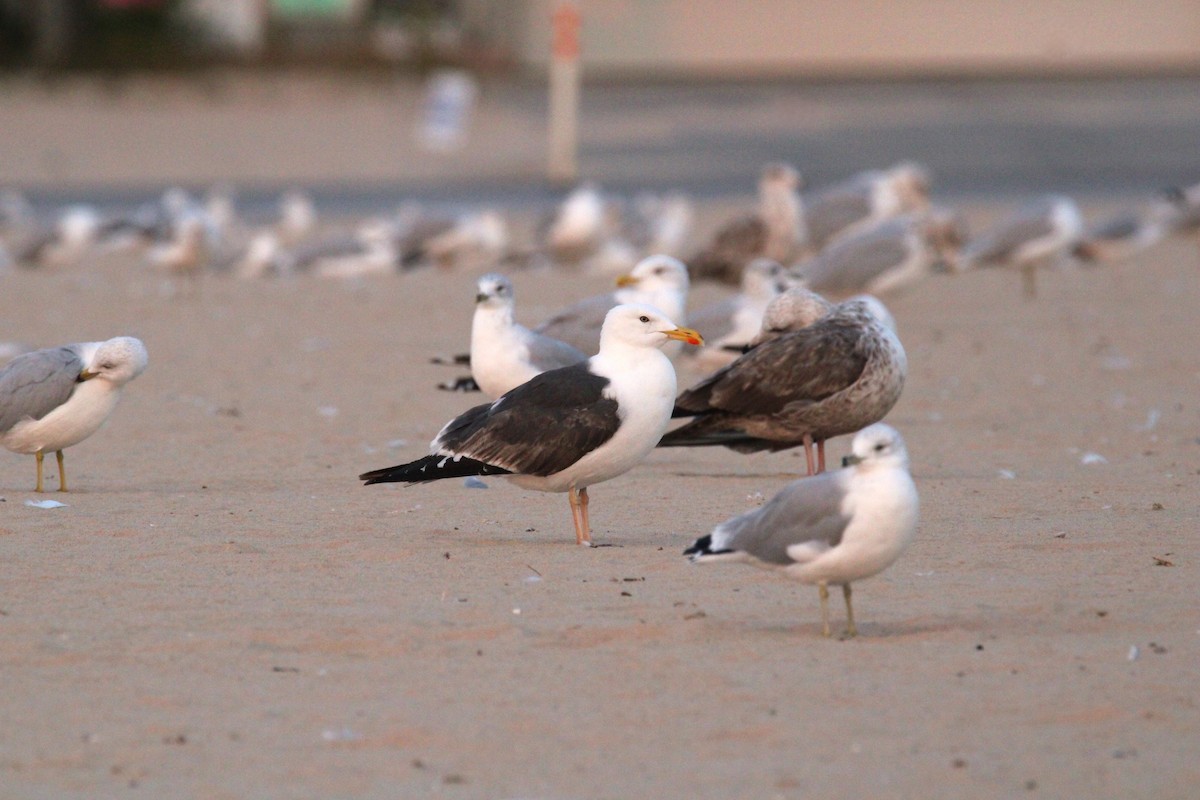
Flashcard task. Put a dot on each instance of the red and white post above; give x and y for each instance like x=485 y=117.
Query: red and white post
x=563 y=163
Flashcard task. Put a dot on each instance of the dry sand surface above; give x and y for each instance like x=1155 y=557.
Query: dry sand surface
x=222 y=611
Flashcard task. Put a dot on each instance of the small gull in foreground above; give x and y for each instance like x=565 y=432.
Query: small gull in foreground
x=833 y=377
x=831 y=529
x=568 y=428
x=52 y=399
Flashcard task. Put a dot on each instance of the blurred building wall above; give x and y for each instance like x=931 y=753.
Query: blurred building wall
x=786 y=37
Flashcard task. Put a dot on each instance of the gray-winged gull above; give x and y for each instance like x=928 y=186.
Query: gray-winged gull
x=659 y=281
x=54 y=398
x=887 y=257
x=836 y=376
x=1041 y=232
x=504 y=353
x=863 y=200
x=568 y=428
x=831 y=529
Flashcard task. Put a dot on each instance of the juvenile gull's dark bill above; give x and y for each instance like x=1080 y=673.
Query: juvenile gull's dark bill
x=54 y=398
x=831 y=529
x=567 y=428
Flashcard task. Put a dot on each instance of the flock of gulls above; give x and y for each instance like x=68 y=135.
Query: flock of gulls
x=800 y=352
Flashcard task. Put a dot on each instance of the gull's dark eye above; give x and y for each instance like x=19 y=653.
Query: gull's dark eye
x=643 y=318
x=659 y=271
x=879 y=448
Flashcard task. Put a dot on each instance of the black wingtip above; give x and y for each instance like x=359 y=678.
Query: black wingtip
x=431 y=468
x=700 y=547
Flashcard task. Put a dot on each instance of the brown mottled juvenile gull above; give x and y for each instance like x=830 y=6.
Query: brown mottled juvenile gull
x=831 y=529
x=1037 y=234
x=504 y=353
x=52 y=399
x=659 y=281
x=568 y=428
x=863 y=200
x=776 y=231
x=836 y=376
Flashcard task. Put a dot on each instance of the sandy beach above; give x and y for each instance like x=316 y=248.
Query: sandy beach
x=222 y=611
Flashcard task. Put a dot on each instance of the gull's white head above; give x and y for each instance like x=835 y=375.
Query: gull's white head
x=494 y=291
x=779 y=177
x=657 y=272
x=117 y=361
x=639 y=325
x=876 y=446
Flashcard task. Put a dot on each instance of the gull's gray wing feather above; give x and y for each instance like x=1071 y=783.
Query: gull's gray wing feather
x=807 y=510
x=831 y=213
x=1001 y=243
x=546 y=353
x=34 y=384
x=579 y=325
x=849 y=265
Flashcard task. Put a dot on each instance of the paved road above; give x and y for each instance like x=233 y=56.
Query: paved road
x=982 y=138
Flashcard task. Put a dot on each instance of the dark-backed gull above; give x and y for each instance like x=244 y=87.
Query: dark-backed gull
x=568 y=428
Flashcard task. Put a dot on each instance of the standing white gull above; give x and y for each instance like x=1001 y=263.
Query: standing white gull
x=1039 y=233
x=833 y=377
x=777 y=231
x=659 y=281
x=504 y=353
x=568 y=428
x=52 y=399
x=832 y=529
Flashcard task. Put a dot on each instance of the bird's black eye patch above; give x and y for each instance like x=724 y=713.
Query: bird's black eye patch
x=879 y=448
x=643 y=318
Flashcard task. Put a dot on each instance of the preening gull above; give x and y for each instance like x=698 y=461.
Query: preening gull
x=1039 y=233
x=777 y=231
x=833 y=377
x=568 y=428
x=834 y=528
x=659 y=281
x=728 y=325
x=504 y=353
x=51 y=399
